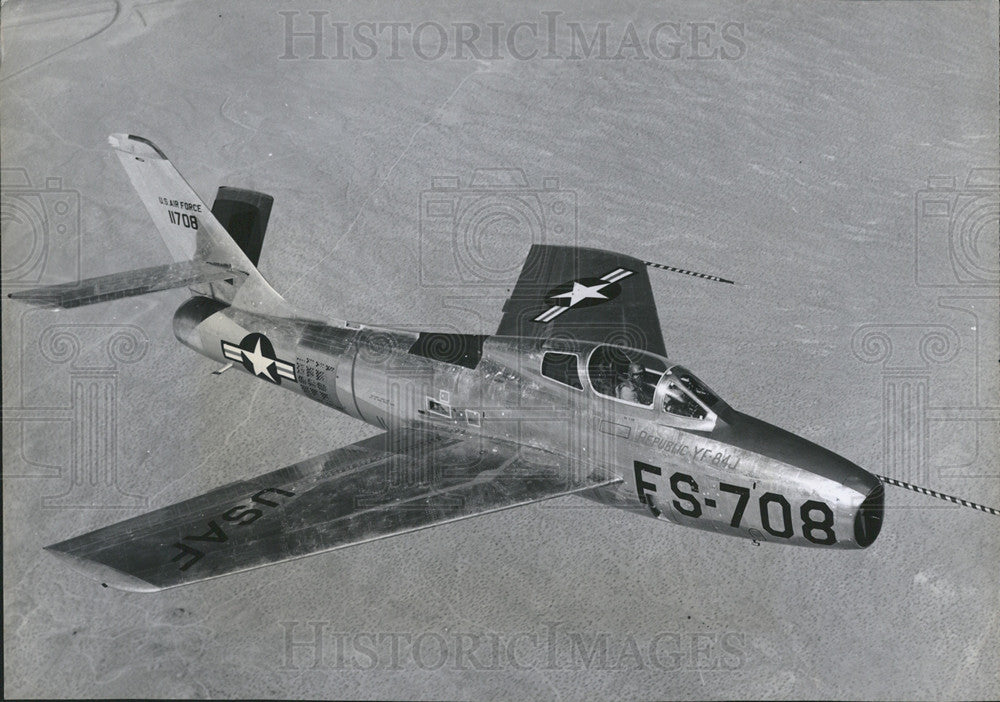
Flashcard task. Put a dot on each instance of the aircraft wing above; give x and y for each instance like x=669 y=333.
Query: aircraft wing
x=369 y=490
x=587 y=294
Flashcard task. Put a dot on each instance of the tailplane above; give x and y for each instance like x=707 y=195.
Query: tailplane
x=129 y=284
x=221 y=263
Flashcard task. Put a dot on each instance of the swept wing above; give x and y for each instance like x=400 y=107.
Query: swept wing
x=586 y=294
x=372 y=489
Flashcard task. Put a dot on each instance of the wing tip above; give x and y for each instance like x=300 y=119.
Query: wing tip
x=104 y=574
x=36 y=297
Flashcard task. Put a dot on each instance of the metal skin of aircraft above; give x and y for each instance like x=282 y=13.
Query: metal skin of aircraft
x=574 y=394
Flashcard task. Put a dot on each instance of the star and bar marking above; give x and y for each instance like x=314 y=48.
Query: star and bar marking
x=256 y=353
x=584 y=293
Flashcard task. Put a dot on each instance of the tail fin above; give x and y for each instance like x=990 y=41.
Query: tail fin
x=189 y=228
x=204 y=252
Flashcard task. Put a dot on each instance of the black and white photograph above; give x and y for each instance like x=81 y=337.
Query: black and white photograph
x=662 y=339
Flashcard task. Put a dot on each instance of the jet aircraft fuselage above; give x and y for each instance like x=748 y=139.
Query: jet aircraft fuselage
x=682 y=453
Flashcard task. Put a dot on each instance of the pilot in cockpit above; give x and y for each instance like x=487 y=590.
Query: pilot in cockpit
x=633 y=388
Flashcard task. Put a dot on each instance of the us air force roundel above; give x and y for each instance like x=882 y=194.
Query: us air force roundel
x=256 y=353
x=584 y=292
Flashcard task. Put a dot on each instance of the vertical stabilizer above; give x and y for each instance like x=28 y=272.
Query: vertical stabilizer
x=188 y=227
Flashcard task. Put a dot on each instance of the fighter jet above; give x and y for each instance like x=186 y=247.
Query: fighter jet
x=574 y=394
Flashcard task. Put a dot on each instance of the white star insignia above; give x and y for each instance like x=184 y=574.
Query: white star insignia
x=583 y=292
x=261 y=363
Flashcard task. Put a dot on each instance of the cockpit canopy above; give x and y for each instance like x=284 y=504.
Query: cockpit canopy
x=625 y=374
x=647 y=380
x=685 y=395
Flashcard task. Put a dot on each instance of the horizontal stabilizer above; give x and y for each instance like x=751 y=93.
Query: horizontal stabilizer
x=128 y=284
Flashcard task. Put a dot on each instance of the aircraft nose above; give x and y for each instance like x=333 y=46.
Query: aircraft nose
x=773 y=442
x=785 y=447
